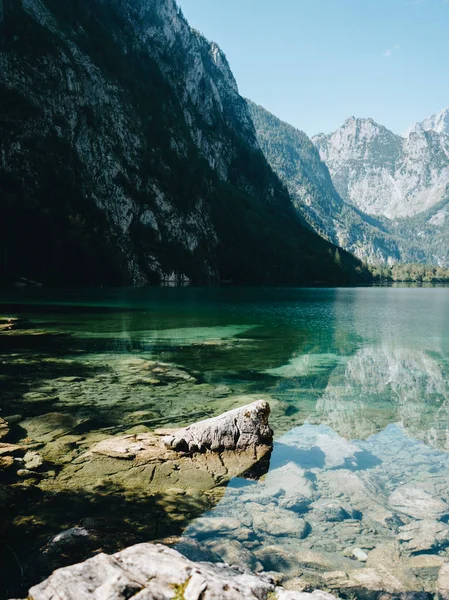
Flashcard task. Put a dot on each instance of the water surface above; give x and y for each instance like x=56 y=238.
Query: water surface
x=357 y=380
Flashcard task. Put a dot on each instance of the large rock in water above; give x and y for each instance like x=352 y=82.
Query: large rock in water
x=195 y=458
x=237 y=429
x=155 y=572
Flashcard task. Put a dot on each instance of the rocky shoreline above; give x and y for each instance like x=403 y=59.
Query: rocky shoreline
x=238 y=439
x=155 y=572
x=254 y=526
x=365 y=519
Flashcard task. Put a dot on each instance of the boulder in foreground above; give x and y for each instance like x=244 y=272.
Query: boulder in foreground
x=155 y=572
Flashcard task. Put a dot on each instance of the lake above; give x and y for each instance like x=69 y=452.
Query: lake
x=357 y=380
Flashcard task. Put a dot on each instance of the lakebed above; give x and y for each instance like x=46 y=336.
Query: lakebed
x=355 y=493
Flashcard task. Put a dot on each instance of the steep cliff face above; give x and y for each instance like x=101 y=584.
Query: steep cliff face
x=438 y=123
x=365 y=160
x=385 y=174
x=296 y=160
x=128 y=156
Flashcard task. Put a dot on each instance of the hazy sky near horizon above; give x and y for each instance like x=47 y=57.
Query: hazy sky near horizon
x=314 y=63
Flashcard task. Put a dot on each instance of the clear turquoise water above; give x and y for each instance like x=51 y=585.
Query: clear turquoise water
x=358 y=380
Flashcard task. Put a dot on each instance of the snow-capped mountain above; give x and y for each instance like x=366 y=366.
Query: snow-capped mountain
x=385 y=174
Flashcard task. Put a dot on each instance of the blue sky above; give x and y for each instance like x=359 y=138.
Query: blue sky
x=314 y=63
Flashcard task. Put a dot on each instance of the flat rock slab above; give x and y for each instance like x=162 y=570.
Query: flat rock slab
x=423 y=536
x=417 y=503
x=233 y=444
x=6 y=449
x=155 y=572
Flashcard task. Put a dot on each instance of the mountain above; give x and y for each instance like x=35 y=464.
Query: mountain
x=296 y=160
x=384 y=174
x=127 y=155
x=337 y=181
x=438 y=123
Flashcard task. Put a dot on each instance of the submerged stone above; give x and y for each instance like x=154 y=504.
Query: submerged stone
x=33 y=460
x=424 y=536
x=360 y=555
x=48 y=427
x=417 y=503
x=279 y=522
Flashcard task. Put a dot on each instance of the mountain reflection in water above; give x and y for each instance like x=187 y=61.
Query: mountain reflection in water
x=357 y=382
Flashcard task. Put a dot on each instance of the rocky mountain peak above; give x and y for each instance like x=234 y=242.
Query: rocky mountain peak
x=385 y=174
x=438 y=123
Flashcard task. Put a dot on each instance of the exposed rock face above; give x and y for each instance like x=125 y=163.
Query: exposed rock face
x=296 y=160
x=155 y=572
x=357 y=185
x=438 y=123
x=127 y=149
x=385 y=174
x=237 y=429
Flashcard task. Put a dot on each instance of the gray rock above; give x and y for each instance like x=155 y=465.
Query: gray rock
x=238 y=429
x=191 y=549
x=443 y=583
x=292 y=487
x=296 y=584
x=417 y=503
x=33 y=460
x=423 y=536
x=316 y=595
x=426 y=566
x=296 y=503
x=221 y=391
x=155 y=572
x=279 y=522
x=233 y=552
x=331 y=510
x=293 y=563
x=360 y=555
x=48 y=427
x=370 y=583
x=205 y=527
